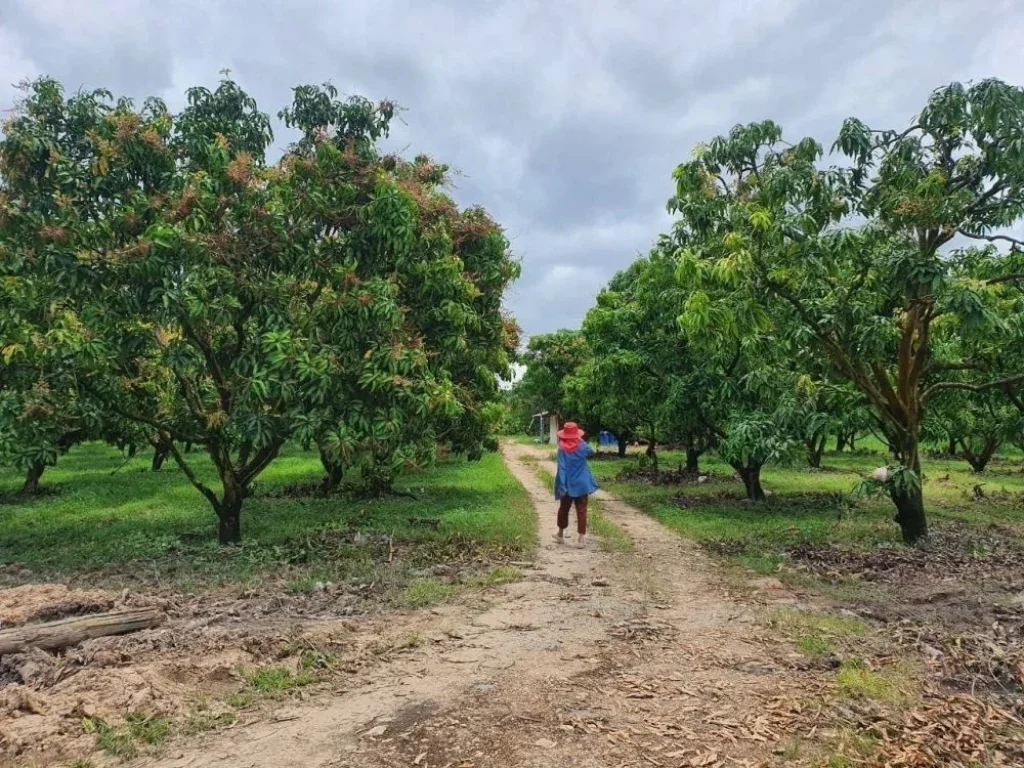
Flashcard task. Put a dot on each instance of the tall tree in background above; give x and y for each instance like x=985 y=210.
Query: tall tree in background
x=550 y=358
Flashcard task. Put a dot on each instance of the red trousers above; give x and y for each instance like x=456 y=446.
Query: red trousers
x=581 y=513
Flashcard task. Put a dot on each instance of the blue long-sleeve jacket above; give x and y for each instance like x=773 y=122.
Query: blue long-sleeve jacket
x=573 y=477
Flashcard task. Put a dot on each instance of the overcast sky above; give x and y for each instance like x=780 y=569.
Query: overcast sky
x=565 y=117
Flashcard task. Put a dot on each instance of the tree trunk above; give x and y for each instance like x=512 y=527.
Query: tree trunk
x=623 y=444
x=652 y=453
x=840 y=442
x=159 y=455
x=692 y=459
x=909 y=499
x=229 y=515
x=55 y=635
x=333 y=473
x=910 y=515
x=161 y=450
x=951 y=450
x=31 y=485
x=853 y=442
x=751 y=477
x=979 y=461
x=815 y=450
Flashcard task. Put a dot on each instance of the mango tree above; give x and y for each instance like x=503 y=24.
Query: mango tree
x=640 y=377
x=447 y=270
x=550 y=358
x=223 y=302
x=853 y=253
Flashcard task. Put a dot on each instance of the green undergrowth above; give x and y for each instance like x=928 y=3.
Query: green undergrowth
x=426 y=591
x=127 y=740
x=154 y=526
x=894 y=684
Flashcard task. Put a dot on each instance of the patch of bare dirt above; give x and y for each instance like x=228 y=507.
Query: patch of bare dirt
x=46 y=602
x=963 y=578
x=957 y=606
x=200 y=653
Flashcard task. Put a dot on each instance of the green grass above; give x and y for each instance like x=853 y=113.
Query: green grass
x=816 y=634
x=239 y=699
x=613 y=538
x=793 y=620
x=502 y=574
x=270 y=681
x=204 y=722
x=895 y=684
x=126 y=739
x=790 y=516
x=98 y=522
x=421 y=593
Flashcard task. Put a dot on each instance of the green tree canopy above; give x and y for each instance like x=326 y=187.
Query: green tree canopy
x=221 y=301
x=854 y=253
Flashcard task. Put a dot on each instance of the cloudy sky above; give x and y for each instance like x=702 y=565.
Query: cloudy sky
x=565 y=117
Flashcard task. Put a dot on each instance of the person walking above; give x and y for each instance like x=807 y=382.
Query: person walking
x=574 y=482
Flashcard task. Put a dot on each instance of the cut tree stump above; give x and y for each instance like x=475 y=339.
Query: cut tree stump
x=54 y=635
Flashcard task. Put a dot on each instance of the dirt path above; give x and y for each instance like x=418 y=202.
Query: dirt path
x=594 y=659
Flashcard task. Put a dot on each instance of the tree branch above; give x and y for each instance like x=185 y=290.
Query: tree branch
x=263 y=457
x=944 y=385
x=1016 y=276
x=137 y=417
x=213 y=364
x=994 y=238
x=203 y=489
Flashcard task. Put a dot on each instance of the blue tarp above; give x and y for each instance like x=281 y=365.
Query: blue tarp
x=604 y=437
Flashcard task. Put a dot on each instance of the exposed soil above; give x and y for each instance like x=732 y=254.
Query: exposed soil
x=593 y=659
x=957 y=603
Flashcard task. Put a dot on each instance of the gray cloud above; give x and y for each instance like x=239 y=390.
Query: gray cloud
x=565 y=119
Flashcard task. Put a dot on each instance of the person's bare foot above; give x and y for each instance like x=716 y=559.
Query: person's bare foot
x=560 y=537
x=582 y=543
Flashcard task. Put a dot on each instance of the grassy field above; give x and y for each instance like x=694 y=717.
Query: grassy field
x=92 y=521
x=816 y=506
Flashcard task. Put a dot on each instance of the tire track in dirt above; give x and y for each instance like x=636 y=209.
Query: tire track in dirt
x=594 y=659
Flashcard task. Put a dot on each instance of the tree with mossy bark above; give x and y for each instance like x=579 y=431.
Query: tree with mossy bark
x=859 y=254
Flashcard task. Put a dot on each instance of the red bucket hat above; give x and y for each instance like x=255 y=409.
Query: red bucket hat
x=571 y=431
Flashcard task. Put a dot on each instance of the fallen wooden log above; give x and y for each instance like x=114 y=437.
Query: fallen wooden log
x=54 y=635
